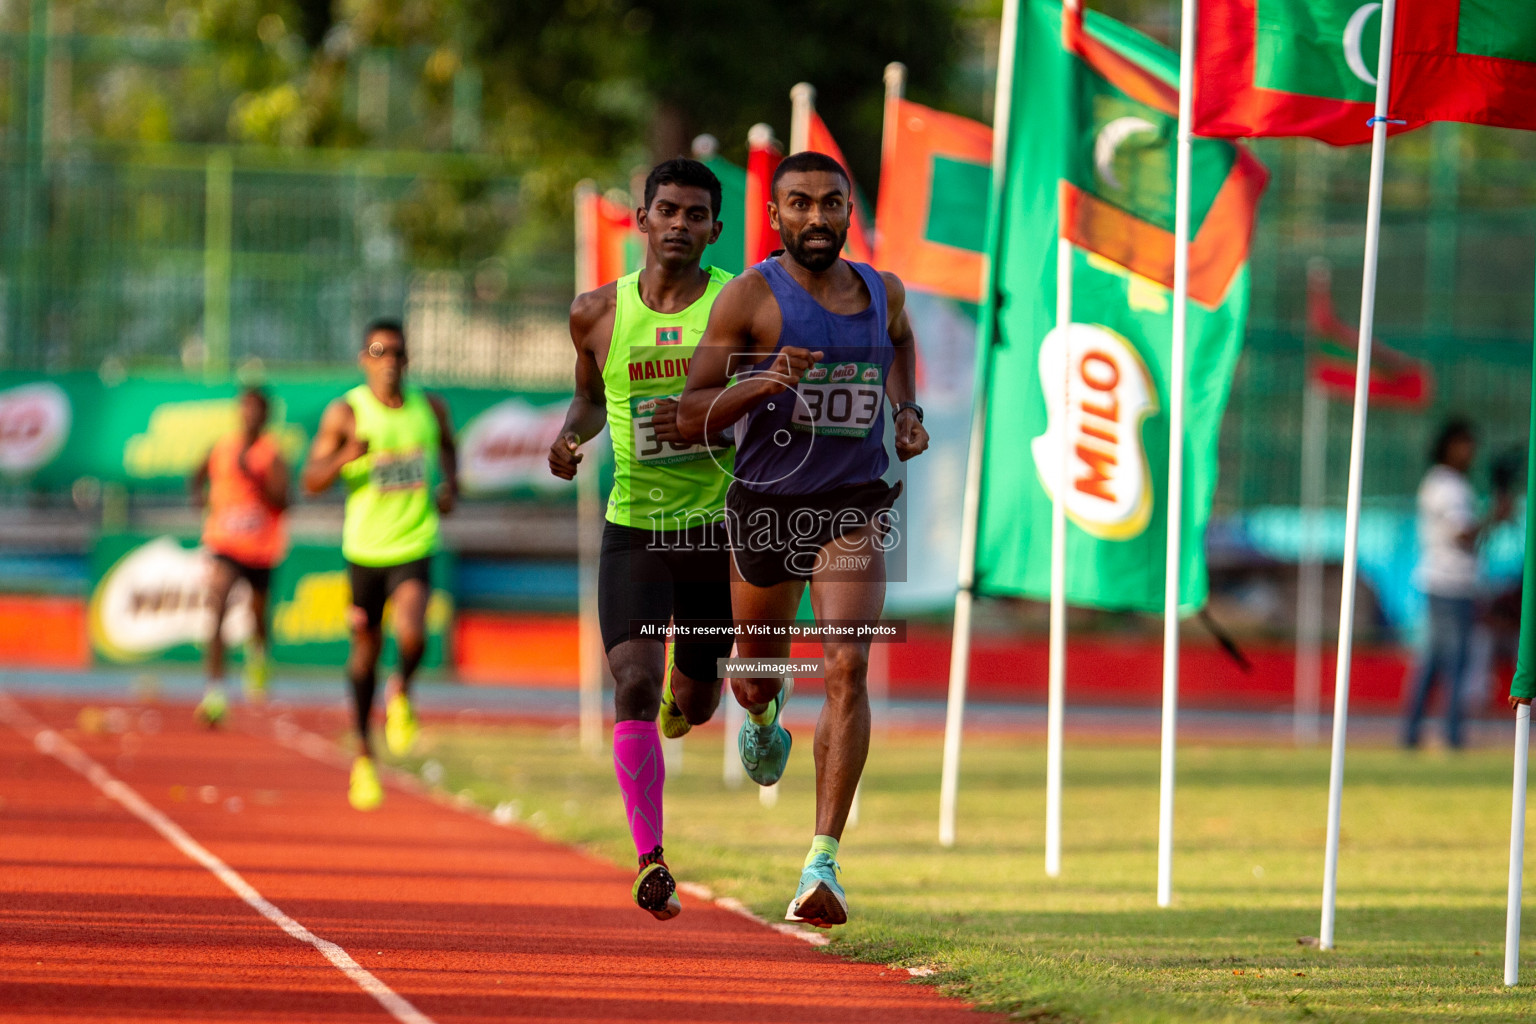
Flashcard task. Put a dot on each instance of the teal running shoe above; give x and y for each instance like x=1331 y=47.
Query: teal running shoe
x=820 y=900
x=765 y=748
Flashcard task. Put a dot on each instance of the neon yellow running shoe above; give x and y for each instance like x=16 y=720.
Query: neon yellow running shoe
x=670 y=718
x=655 y=890
x=258 y=670
x=365 y=793
x=212 y=709
x=400 y=725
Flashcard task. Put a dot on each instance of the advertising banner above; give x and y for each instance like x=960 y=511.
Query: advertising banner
x=149 y=434
x=149 y=602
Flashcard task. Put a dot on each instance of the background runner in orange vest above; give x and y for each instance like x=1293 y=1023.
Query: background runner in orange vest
x=244 y=482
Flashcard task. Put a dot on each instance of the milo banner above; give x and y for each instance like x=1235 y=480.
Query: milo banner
x=1092 y=139
x=150 y=601
x=149 y=434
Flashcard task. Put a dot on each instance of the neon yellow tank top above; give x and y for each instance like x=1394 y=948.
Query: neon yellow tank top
x=391 y=513
x=658 y=485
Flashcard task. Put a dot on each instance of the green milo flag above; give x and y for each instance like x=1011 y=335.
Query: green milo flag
x=1096 y=117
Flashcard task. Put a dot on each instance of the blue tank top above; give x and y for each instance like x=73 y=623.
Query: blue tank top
x=830 y=431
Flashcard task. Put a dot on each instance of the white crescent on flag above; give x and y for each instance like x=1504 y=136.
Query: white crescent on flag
x=1110 y=138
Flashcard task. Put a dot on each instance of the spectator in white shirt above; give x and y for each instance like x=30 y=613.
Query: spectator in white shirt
x=1448 y=527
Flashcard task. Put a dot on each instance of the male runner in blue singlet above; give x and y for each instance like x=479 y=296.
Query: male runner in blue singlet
x=816 y=344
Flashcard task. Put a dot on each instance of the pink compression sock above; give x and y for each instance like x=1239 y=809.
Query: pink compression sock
x=637 y=763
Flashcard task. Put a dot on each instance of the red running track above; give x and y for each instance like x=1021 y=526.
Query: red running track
x=102 y=918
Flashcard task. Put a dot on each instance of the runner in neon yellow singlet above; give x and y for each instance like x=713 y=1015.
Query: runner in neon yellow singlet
x=664 y=557
x=392 y=448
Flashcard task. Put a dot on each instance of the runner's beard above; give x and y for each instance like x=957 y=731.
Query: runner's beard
x=816 y=260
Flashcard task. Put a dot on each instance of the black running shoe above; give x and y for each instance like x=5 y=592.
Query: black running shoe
x=655 y=889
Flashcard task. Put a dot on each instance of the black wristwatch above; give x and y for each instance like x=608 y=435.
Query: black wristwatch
x=904 y=406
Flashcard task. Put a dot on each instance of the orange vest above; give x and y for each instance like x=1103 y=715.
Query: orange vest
x=240 y=523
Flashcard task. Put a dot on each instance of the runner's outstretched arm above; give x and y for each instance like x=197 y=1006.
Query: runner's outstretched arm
x=591 y=323
x=274 y=489
x=336 y=444
x=447 y=457
x=743 y=328
x=911 y=438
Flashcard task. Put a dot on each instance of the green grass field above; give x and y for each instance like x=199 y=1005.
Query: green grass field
x=1421 y=878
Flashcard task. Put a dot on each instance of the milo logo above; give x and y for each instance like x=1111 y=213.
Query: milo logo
x=649 y=405
x=845 y=371
x=870 y=373
x=817 y=372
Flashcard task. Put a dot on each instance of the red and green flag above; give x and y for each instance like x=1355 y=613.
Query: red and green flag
x=1117 y=197
x=607 y=243
x=763 y=155
x=860 y=244
x=934 y=181
x=1308 y=67
x=1396 y=379
x=1466 y=60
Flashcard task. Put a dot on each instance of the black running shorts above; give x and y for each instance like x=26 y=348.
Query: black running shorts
x=776 y=538
x=372 y=585
x=646 y=579
x=258 y=576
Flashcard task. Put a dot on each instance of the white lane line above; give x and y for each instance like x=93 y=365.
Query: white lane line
x=51 y=743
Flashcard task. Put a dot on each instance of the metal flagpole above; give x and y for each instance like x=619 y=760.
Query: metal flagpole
x=1517 y=845
x=1176 y=375
x=1356 y=471
x=960 y=646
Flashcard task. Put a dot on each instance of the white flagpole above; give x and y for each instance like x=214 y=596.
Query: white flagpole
x=1176 y=374
x=1307 y=695
x=802 y=101
x=960 y=646
x=1056 y=668
x=1056 y=680
x=589 y=652
x=1517 y=845
x=1356 y=472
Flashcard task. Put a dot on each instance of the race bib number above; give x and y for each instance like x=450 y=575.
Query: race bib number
x=650 y=449
x=406 y=471
x=840 y=399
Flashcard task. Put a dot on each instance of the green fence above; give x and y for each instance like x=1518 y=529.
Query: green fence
x=204 y=264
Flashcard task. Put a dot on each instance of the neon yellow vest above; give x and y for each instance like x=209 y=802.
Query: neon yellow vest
x=391 y=512
x=658 y=485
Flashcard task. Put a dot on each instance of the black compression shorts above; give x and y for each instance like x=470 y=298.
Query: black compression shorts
x=647 y=579
x=372 y=585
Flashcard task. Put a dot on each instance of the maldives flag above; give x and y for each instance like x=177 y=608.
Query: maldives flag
x=860 y=246
x=607 y=243
x=1117 y=195
x=934 y=182
x=1466 y=60
x=1294 y=67
x=1396 y=379
x=763 y=157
